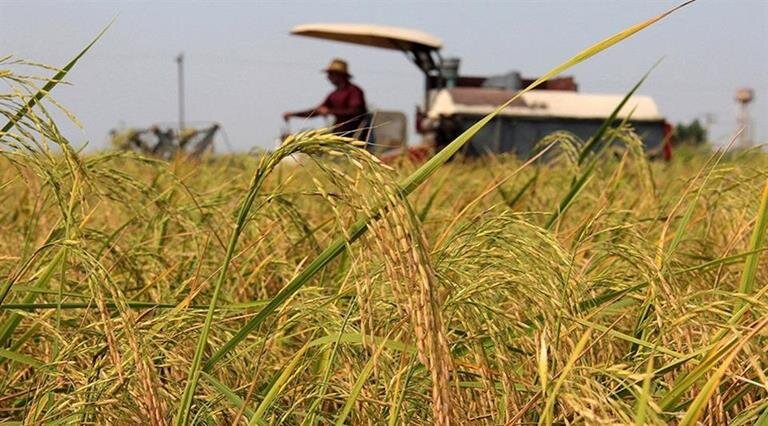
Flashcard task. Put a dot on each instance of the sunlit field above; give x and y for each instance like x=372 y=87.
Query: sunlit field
x=502 y=287
x=315 y=284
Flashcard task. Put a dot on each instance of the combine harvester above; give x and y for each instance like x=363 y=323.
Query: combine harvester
x=165 y=142
x=453 y=102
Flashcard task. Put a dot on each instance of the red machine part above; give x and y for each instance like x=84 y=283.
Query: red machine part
x=667 y=144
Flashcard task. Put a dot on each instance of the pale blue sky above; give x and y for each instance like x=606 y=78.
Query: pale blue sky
x=243 y=69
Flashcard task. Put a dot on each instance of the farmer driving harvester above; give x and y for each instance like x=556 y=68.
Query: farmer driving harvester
x=454 y=102
x=346 y=104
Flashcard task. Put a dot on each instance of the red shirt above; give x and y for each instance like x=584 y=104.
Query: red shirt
x=347 y=103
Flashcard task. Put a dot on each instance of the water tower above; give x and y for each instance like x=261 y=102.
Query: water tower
x=744 y=96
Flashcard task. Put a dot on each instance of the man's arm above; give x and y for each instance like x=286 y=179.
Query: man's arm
x=321 y=109
x=312 y=112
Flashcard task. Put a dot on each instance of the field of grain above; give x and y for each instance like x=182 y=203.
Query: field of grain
x=497 y=292
x=586 y=285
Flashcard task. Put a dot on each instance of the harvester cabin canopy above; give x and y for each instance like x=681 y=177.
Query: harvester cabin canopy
x=422 y=48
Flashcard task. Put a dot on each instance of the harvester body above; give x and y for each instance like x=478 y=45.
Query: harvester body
x=453 y=102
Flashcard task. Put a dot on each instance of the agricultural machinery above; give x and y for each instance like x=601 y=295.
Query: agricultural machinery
x=453 y=102
x=165 y=142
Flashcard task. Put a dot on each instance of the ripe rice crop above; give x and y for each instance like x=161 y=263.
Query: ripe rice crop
x=584 y=286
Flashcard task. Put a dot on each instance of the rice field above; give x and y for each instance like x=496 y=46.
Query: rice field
x=639 y=300
x=585 y=285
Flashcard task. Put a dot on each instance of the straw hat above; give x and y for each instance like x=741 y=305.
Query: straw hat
x=339 y=66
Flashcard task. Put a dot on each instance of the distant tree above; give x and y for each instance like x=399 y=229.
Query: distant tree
x=692 y=134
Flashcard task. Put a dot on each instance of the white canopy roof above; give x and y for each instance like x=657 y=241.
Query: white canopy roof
x=541 y=103
x=370 y=35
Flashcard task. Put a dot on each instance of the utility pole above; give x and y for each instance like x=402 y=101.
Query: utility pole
x=180 y=63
